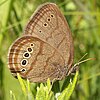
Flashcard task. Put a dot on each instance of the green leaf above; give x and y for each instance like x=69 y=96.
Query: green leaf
x=1 y=38
x=22 y=84
x=12 y=96
x=49 y=93
x=49 y=84
x=25 y=85
x=30 y=96
x=66 y=93
x=44 y=91
x=40 y=93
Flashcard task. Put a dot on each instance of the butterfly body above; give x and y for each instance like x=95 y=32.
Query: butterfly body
x=46 y=48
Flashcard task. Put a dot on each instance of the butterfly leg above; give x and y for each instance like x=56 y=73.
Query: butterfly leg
x=73 y=70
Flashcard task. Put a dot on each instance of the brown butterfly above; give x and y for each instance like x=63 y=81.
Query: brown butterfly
x=46 y=48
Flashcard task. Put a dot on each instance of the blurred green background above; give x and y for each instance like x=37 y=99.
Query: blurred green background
x=83 y=17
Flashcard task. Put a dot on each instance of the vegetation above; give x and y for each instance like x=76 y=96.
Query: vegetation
x=83 y=17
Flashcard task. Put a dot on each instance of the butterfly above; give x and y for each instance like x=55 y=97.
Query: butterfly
x=45 y=50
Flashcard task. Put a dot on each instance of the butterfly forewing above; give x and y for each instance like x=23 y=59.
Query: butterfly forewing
x=50 y=25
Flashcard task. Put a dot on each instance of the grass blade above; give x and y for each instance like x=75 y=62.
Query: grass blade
x=65 y=95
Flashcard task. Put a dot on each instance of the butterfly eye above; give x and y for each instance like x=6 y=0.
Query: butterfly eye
x=24 y=62
x=52 y=15
x=30 y=50
x=40 y=31
x=45 y=24
x=26 y=55
x=48 y=19
x=23 y=70
x=32 y=45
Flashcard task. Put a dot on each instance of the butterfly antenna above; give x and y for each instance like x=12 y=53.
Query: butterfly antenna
x=76 y=66
x=80 y=60
x=83 y=61
x=83 y=57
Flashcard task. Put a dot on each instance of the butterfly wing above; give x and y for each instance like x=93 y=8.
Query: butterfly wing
x=51 y=26
x=35 y=60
